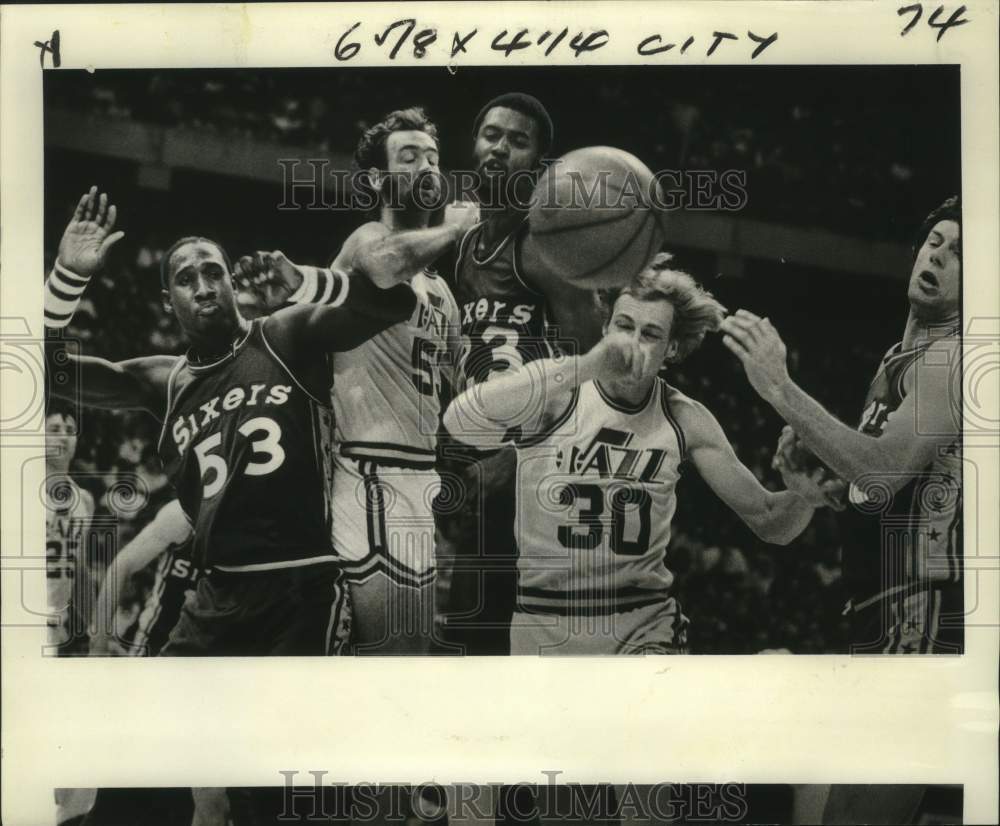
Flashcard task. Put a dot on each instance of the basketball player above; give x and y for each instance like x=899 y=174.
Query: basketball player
x=387 y=401
x=510 y=306
x=242 y=438
x=599 y=455
x=68 y=511
x=387 y=393
x=168 y=539
x=903 y=551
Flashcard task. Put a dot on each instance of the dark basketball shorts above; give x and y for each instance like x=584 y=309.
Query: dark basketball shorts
x=298 y=611
x=927 y=620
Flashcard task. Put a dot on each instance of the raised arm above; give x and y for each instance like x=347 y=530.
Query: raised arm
x=388 y=257
x=136 y=383
x=526 y=398
x=774 y=517
x=169 y=527
x=927 y=420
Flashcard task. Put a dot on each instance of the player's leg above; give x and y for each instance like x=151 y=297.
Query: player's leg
x=383 y=528
x=479 y=541
x=390 y=617
x=206 y=618
x=304 y=611
x=534 y=634
x=655 y=629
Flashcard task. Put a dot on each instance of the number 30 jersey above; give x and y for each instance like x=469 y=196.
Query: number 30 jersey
x=387 y=392
x=595 y=498
x=247 y=450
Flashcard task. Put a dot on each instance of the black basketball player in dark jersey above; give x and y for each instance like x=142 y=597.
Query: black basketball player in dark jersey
x=513 y=311
x=243 y=415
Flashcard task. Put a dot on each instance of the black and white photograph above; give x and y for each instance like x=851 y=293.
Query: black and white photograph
x=375 y=375
x=545 y=803
x=558 y=361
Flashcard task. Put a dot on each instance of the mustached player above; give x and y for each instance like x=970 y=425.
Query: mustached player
x=603 y=442
x=387 y=393
x=68 y=511
x=387 y=399
x=243 y=435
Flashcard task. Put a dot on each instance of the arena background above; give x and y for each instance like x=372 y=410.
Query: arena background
x=842 y=165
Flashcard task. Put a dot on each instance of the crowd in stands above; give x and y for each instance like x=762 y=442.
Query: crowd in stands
x=840 y=150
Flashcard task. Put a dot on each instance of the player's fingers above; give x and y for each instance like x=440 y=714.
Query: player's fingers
x=786 y=441
x=102 y=207
x=81 y=207
x=243 y=270
x=746 y=315
x=738 y=331
x=111 y=240
x=737 y=347
x=112 y=218
x=88 y=214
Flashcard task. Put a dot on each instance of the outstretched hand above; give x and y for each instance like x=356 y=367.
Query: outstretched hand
x=616 y=357
x=264 y=282
x=89 y=235
x=461 y=214
x=803 y=473
x=760 y=349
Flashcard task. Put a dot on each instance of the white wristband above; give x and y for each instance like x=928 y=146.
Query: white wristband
x=321 y=286
x=63 y=291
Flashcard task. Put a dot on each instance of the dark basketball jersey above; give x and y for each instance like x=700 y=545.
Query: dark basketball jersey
x=247 y=447
x=503 y=320
x=900 y=546
x=176 y=575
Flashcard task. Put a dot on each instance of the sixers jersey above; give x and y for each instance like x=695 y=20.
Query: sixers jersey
x=914 y=536
x=596 y=495
x=246 y=447
x=503 y=320
x=387 y=392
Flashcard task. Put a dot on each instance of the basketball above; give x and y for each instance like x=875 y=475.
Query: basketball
x=593 y=220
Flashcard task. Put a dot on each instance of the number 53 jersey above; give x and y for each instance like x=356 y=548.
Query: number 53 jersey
x=247 y=450
x=595 y=498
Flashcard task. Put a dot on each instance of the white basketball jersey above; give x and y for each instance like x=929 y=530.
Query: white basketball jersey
x=68 y=510
x=596 y=495
x=387 y=391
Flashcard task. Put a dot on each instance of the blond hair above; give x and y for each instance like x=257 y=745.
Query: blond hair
x=696 y=311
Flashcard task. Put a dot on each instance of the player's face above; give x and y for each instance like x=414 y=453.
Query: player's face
x=60 y=439
x=413 y=168
x=648 y=324
x=200 y=290
x=507 y=143
x=935 y=288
